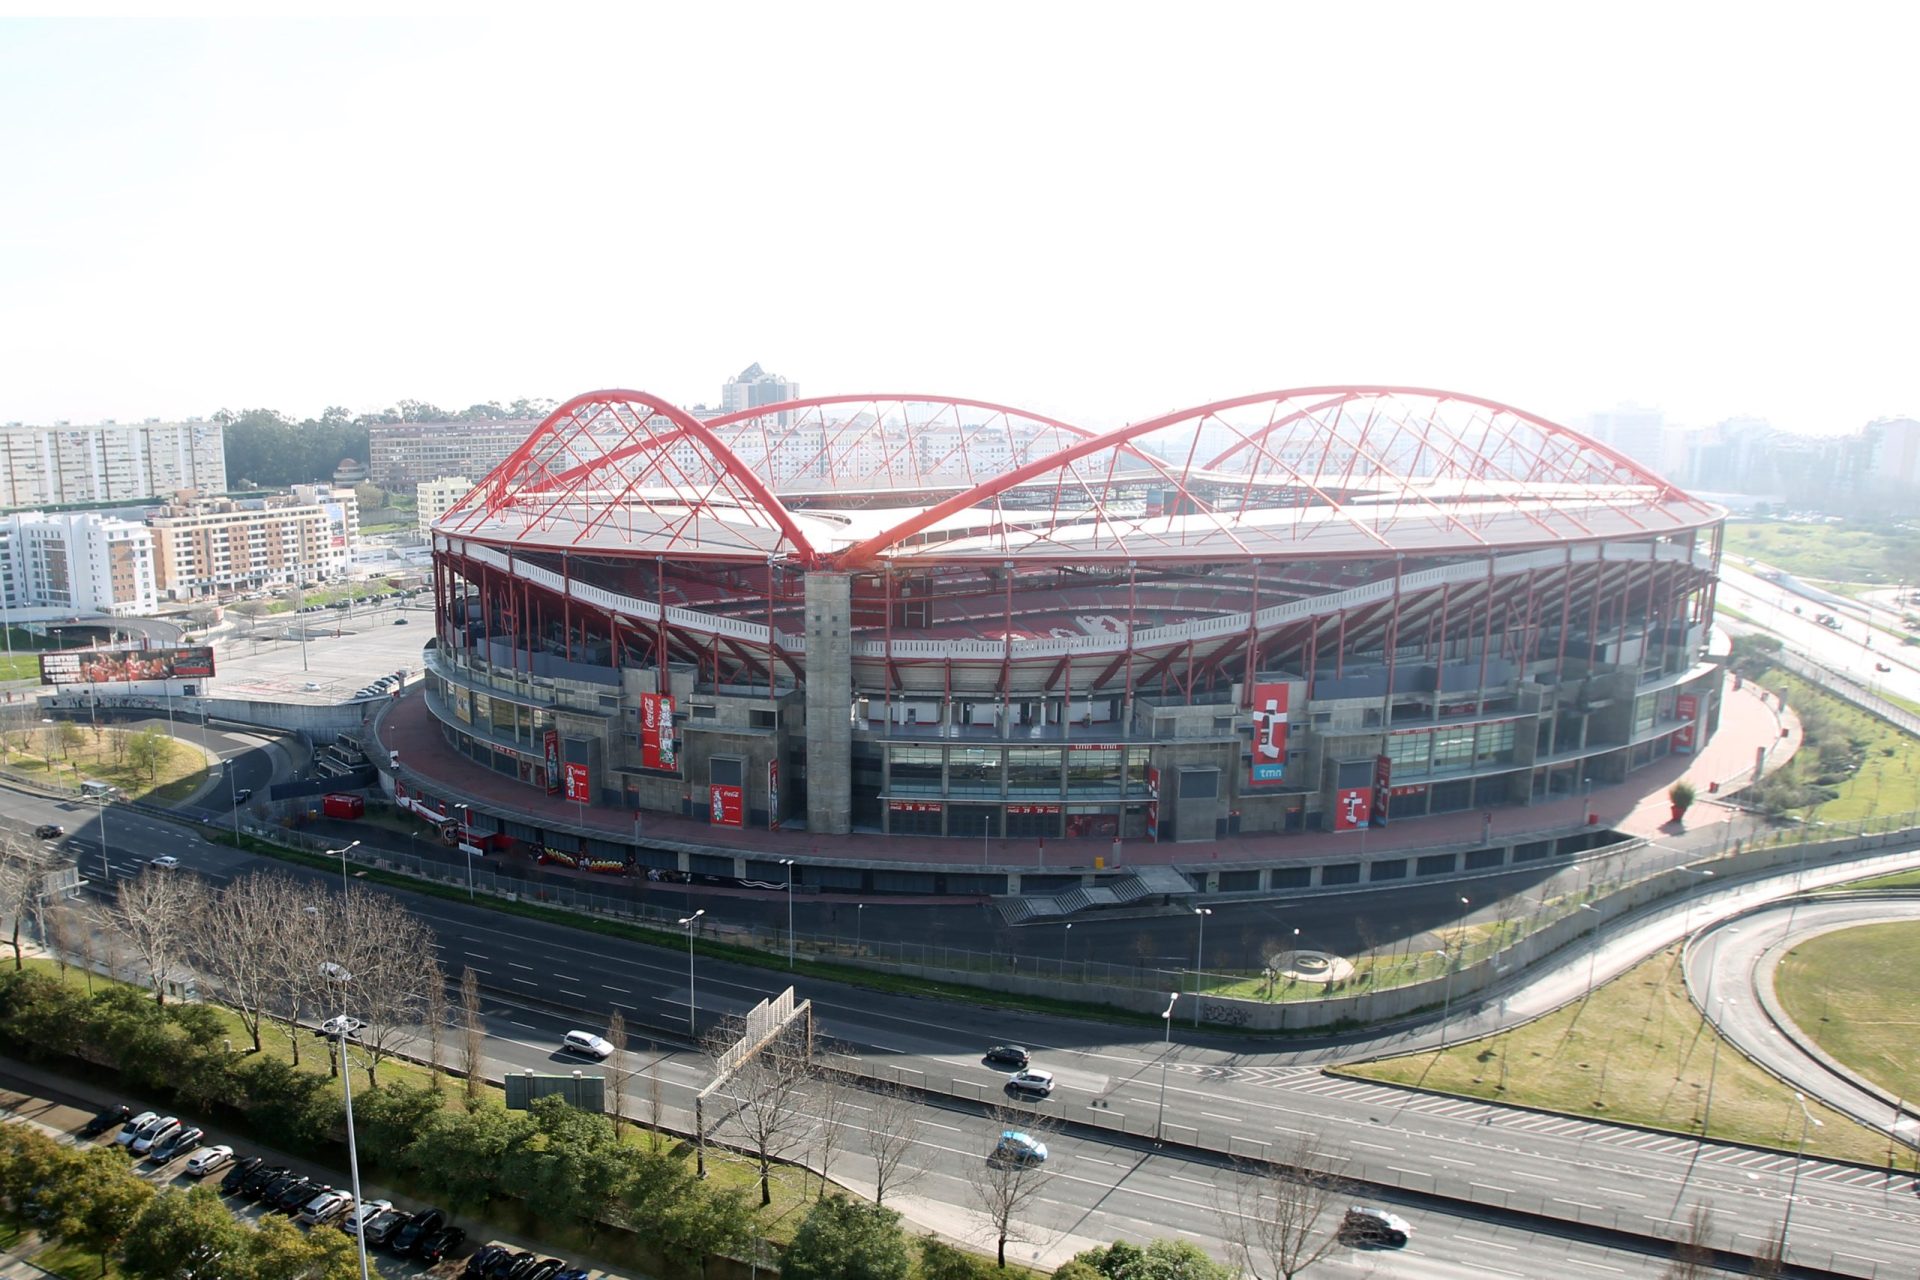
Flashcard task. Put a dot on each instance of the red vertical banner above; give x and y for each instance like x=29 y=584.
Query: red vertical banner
x=553 y=762
x=773 y=795
x=1382 y=789
x=579 y=785
x=656 y=733
x=1268 y=764
x=1153 y=803
x=728 y=806
x=1352 y=806
x=1687 y=708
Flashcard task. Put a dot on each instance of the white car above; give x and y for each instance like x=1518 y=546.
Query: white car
x=165 y=862
x=207 y=1159
x=150 y=1137
x=367 y=1212
x=325 y=1207
x=1040 y=1082
x=587 y=1044
x=142 y=1123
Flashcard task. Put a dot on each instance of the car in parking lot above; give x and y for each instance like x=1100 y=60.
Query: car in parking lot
x=135 y=1127
x=1031 y=1081
x=263 y=1176
x=106 y=1120
x=295 y=1193
x=207 y=1159
x=1016 y=1147
x=420 y=1226
x=587 y=1044
x=49 y=831
x=1011 y=1055
x=381 y=1227
x=362 y=1214
x=325 y=1207
x=243 y=1168
x=153 y=1135
x=183 y=1142
x=490 y=1262
x=438 y=1244
x=1367 y=1225
x=545 y=1269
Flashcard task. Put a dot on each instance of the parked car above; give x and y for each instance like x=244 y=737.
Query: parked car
x=483 y=1257
x=545 y=1269
x=586 y=1043
x=422 y=1225
x=363 y=1214
x=106 y=1120
x=382 y=1226
x=207 y=1159
x=140 y=1123
x=1040 y=1082
x=334 y=1028
x=325 y=1207
x=1367 y=1225
x=297 y=1193
x=154 y=1135
x=183 y=1142
x=243 y=1168
x=1015 y=1147
x=572 y=1273
x=270 y=1192
x=165 y=862
x=1011 y=1055
x=506 y=1261
x=263 y=1176
x=432 y=1248
x=49 y=831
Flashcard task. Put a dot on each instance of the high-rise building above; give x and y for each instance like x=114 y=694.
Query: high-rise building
x=109 y=461
x=434 y=498
x=77 y=562
x=753 y=387
x=1642 y=434
x=205 y=547
x=405 y=454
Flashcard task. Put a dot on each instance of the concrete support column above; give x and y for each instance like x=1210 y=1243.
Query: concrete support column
x=829 y=704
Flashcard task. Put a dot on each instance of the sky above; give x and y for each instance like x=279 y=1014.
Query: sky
x=1097 y=212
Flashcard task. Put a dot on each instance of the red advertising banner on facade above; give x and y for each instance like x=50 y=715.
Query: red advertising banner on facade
x=1269 y=761
x=914 y=806
x=773 y=795
x=1352 y=806
x=1382 y=789
x=1687 y=708
x=579 y=786
x=1033 y=808
x=656 y=733
x=553 y=762
x=729 y=806
x=103 y=666
x=1153 y=803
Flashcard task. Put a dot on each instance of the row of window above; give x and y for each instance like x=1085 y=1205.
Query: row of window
x=1457 y=747
x=995 y=771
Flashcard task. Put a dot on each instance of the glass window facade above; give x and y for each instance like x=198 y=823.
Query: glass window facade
x=1409 y=752
x=973 y=771
x=1453 y=748
x=1095 y=771
x=915 y=771
x=1033 y=771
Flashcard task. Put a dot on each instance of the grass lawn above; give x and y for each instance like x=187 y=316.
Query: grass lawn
x=100 y=754
x=1842 y=552
x=1852 y=991
x=1887 y=781
x=1638 y=1052
x=1898 y=880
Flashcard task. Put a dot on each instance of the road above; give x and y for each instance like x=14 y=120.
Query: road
x=1855 y=649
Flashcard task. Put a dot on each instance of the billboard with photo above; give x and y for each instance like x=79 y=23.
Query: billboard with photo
x=729 y=806
x=1382 y=789
x=1685 y=707
x=656 y=733
x=553 y=762
x=105 y=666
x=579 y=785
x=1268 y=764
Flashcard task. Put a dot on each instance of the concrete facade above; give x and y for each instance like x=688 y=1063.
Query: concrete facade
x=829 y=695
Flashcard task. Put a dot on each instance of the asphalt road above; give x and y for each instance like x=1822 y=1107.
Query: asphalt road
x=1218 y=1089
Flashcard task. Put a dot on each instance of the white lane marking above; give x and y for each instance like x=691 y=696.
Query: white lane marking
x=622 y=990
x=1214 y=1115
x=1371 y=1146
x=516 y=964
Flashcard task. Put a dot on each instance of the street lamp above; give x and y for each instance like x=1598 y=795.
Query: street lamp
x=1593 y=947
x=1166 y=1049
x=788 y=864
x=1713 y=1072
x=859 y=925
x=466 y=843
x=1446 y=1008
x=1065 y=934
x=334 y=973
x=346 y=906
x=1199 y=949
x=687 y=923
x=1799 y=1159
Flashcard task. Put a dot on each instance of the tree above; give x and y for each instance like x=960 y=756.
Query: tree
x=843 y=1239
x=278 y=1250
x=1693 y=1256
x=473 y=1036
x=768 y=1095
x=292 y=953
x=1159 y=1260
x=98 y=1199
x=436 y=997
x=153 y=911
x=72 y=737
x=233 y=944
x=893 y=1140
x=1005 y=1187
x=149 y=750
x=1271 y=1212
x=23 y=870
x=180 y=1233
x=832 y=1121
x=387 y=953
x=619 y=1068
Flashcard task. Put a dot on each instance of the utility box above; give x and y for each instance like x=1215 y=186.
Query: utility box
x=342 y=805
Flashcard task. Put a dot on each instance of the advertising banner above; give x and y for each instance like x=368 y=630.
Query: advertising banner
x=1269 y=760
x=1382 y=789
x=773 y=795
x=553 y=762
x=579 y=786
x=1352 y=806
x=104 y=666
x=656 y=733
x=1153 y=803
x=1686 y=707
x=915 y=806
x=462 y=704
x=729 y=806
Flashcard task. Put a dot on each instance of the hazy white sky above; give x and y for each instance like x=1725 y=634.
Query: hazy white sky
x=1099 y=212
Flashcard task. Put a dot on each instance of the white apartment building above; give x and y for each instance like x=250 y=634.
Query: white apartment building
x=77 y=563
x=434 y=498
x=210 y=547
x=109 y=461
x=404 y=454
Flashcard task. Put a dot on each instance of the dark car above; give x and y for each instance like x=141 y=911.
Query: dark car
x=545 y=1269
x=263 y=1176
x=111 y=1118
x=1369 y=1226
x=509 y=1262
x=180 y=1144
x=295 y=1194
x=49 y=831
x=1011 y=1055
x=439 y=1244
x=384 y=1226
x=575 y=1273
x=483 y=1257
x=423 y=1225
x=242 y=1170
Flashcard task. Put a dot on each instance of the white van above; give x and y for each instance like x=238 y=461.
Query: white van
x=587 y=1043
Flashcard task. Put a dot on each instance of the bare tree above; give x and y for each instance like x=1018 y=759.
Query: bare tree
x=292 y=953
x=767 y=1093
x=233 y=945
x=832 y=1120
x=153 y=911
x=22 y=874
x=473 y=1035
x=387 y=954
x=619 y=1069
x=893 y=1140
x=1770 y=1259
x=436 y=994
x=1271 y=1212
x=1008 y=1181
x=1693 y=1256
x=655 y=1105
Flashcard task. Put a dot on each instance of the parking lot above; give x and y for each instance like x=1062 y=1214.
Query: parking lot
x=323 y=657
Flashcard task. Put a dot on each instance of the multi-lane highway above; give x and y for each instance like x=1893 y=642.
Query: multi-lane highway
x=1220 y=1093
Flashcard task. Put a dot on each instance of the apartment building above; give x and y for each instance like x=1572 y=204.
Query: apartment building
x=404 y=454
x=77 y=563
x=434 y=498
x=58 y=465
x=209 y=547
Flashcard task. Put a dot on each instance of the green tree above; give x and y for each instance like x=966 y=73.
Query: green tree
x=181 y=1232
x=844 y=1239
x=1160 y=1260
x=98 y=1199
x=278 y=1250
x=941 y=1261
x=149 y=750
x=72 y=737
x=703 y=1222
x=466 y=1154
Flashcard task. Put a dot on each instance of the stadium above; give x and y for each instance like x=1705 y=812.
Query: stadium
x=1318 y=609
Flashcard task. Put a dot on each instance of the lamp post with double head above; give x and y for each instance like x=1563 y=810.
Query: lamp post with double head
x=335 y=974
x=788 y=864
x=466 y=843
x=687 y=923
x=1199 y=952
x=1446 y=1005
x=1806 y=1117
x=1166 y=1050
x=1593 y=946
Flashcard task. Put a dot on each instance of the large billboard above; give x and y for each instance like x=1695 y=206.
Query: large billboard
x=729 y=806
x=773 y=795
x=1685 y=707
x=578 y=785
x=1269 y=760
x=1352 y=807
x=1382 y=789
x=106 y=666
x=553 y=762
x=656 y=733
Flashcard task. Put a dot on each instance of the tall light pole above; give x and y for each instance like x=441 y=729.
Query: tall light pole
x=466 y=844
x=233 y=796
x=1713 y=1072
x=1446 y=1007
x=1166 y=1049
x=335 y=973
x=346 y=907
x=788 y=864
x=688 y=923
x=1593 y=947
x=1065 y=934
x=1786 y=1219
x=1199 y=950
x=859 y=926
